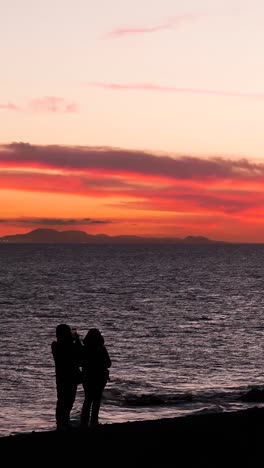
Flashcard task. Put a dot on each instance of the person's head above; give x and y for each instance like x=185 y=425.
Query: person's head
x=93 y=338
x=64 y=333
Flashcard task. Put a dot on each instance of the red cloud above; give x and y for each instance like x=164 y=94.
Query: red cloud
x=169 y=24
x=183 y=184
x=174 y=198
x=172 y=89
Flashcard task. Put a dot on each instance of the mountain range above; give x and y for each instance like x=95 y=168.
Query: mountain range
x=52 y=236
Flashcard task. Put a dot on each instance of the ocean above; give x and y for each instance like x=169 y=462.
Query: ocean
x=183 y=324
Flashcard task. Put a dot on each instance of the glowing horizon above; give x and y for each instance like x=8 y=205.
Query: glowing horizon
x=118 y=191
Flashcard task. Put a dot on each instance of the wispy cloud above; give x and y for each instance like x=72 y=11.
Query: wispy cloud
x=173 y=89
x=46 y=104
x=54 y=221
x=10 y=106
x=171 y=23
x=52 y=104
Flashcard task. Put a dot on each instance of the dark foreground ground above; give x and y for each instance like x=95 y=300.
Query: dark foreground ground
x=210 y=440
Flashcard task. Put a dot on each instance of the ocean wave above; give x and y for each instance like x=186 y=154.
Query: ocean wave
x=156 y=400
x=211 y=396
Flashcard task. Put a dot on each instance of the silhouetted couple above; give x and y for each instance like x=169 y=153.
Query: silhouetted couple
x=70 y=355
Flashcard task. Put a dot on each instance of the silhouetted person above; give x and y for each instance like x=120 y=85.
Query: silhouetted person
x=66 y=352
x=95 y=365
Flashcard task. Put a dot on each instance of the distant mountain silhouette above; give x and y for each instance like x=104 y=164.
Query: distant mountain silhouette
x=51 y=236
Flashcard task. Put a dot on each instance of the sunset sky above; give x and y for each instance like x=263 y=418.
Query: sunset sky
x=133 y=117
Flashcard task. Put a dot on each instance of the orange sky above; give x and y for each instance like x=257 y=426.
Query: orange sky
x=118 y=191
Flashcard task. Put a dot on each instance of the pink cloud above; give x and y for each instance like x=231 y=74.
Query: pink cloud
x=172 y=89
x=9 y=106
x=50 y=104
x=72 y=107
x=169 y=24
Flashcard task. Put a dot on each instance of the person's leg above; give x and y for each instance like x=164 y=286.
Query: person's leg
x=96 y=407
x=62 y=413
x=65 y=399
x=71 y=395
x=85 y=414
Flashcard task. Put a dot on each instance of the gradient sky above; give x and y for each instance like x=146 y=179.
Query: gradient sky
x=133 y=117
